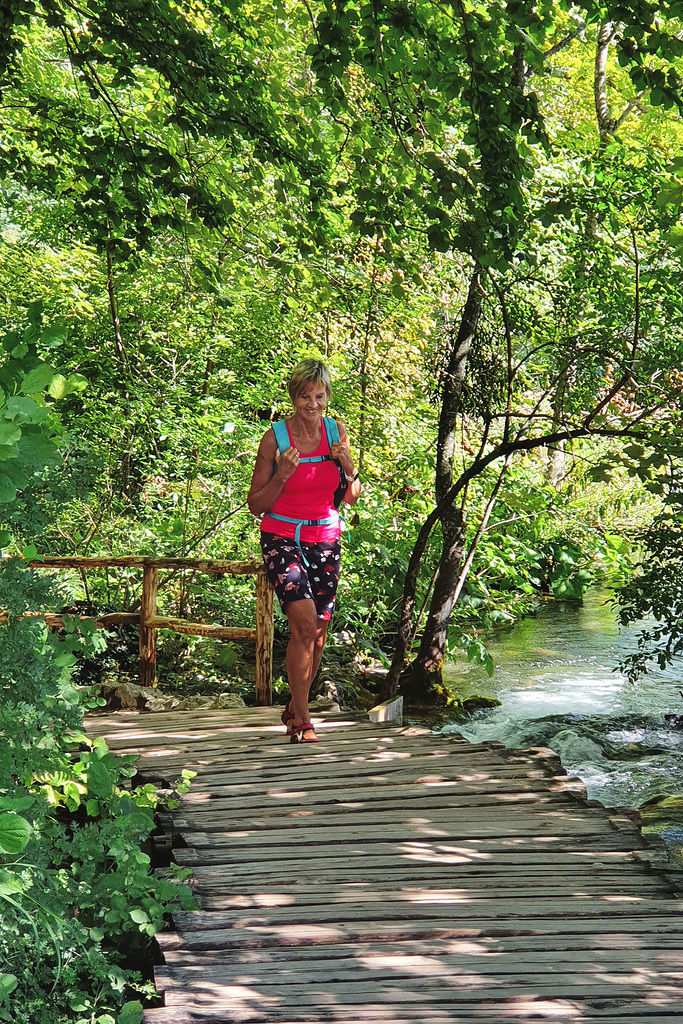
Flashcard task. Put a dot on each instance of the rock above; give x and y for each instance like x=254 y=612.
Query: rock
x=362 y=698
x=331 y=691
x=324 y=704
x=228 y=700
x=478 y=703
x=126 y=696
x=163 y=702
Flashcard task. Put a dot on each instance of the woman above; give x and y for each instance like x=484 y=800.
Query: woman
x=300 y=529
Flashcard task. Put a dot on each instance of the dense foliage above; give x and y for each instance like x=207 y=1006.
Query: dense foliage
x=78 y=898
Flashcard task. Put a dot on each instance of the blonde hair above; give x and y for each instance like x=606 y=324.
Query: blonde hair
x=309 y=371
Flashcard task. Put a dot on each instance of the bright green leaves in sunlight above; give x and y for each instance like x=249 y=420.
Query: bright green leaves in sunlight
x=29 y=430
x=125 y=115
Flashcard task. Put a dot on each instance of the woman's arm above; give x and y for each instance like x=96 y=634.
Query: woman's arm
x=266 y=482
x=341 y=450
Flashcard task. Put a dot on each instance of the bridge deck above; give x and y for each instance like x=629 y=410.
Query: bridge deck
x=389 y=875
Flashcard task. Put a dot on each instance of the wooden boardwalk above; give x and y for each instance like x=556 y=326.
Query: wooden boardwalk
x=388 y=875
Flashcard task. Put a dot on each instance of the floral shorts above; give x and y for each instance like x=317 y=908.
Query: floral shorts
x=292 y=580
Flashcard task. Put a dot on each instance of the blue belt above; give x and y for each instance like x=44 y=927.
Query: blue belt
x=305 y=522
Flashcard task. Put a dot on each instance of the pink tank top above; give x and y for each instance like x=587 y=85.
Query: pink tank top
x=308 y=494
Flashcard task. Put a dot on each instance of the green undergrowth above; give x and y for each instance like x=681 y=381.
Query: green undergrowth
x=78 y=902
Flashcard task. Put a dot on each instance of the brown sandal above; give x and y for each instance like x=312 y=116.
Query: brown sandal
x=297 y=735
x=286 y=717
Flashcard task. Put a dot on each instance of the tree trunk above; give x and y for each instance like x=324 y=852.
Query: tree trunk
x=606 y=125
x=555 y=470
x=426 y=670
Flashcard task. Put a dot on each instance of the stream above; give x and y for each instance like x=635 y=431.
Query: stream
x=555 y=678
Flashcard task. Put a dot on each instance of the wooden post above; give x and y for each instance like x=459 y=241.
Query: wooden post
x=264 y=640
x=148 y=634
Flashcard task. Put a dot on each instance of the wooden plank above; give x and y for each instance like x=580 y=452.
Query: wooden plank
x=446 y=992
x=216 y=899
x=246 y=797
x=485 y=908
x=88 y=562
x=228 y=1013
x=265 y=935
x=196 y=818
x=248 y=567
x=219 y=565
x=206 y=802
x=264 y=640
x=148 y=636
x=57 y=621
x=494 y=1014
x=188 y=628
x=388 y=711
x=539 y=830
x=644 y=949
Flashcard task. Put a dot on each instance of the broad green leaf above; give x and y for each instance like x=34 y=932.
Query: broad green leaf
x=8 y=491
x=51 y=337
x=15 y=833
x=130 y=1013
x=59 y=387
x=100 y=780
x=9 y=432
x=16 y=803
x=36 y=451
x=37 y=379
x=8 y=983
x=76 y=383
x=10 y=883
x=25 y=409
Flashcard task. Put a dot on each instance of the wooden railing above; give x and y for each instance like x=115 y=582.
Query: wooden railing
x=149 y=621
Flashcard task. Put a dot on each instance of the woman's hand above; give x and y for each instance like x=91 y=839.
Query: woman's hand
x=340 y=451
x=287 y=461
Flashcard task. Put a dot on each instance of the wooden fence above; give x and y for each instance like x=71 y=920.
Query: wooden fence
x=149 y=621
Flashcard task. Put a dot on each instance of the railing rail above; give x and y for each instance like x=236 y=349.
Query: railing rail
x=149 y=621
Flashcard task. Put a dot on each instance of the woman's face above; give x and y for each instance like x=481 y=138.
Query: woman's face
x=310 y=403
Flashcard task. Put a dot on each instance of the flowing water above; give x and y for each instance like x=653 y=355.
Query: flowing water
x=558 y=686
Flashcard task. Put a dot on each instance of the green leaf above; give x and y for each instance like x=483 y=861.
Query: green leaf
x=51 y=337
x=16 y=803
x=37 y=451
x=139 y=916
x=8 y=490
x=100 y=780
x=59 y=387
x=9 y=432
x=30 y=552
x=8 y=983
x=10 y=883
x=25 y=409
x=130 y=1013
x=15 y=833
x=38 y=379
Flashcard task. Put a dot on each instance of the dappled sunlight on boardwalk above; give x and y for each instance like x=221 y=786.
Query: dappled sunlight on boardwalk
x=389 y=875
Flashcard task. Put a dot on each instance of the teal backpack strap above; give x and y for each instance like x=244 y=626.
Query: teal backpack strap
x=281 y=435
x=331 y=429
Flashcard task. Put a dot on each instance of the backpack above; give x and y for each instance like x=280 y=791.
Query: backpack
x=332 y=432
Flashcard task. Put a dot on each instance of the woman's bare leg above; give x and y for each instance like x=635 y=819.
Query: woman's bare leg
x=307 y=639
